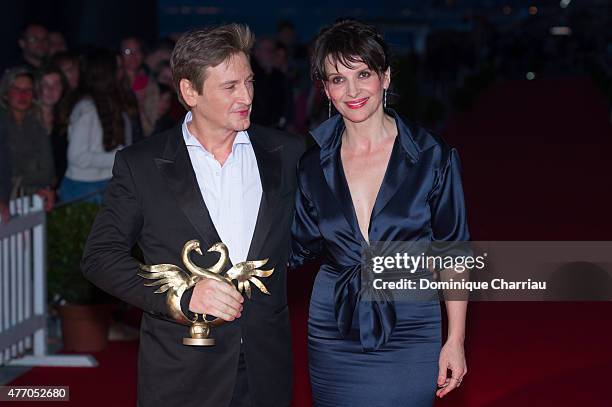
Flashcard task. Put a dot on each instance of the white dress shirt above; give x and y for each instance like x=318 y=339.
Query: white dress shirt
x=232 y=192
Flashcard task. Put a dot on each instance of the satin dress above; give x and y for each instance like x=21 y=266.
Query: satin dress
x=378 y=352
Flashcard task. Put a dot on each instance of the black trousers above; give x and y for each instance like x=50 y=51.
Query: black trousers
x=241 y=397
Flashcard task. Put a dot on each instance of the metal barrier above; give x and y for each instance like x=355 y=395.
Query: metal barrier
x=23 y=290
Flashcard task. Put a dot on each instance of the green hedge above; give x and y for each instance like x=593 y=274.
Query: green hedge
x=67 y=231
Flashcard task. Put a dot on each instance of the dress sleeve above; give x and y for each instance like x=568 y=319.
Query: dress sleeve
x=306 y=237
x=447 y=204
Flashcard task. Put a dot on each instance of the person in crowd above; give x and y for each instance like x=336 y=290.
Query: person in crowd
x=31 y=156
x=159 y=52
x=130 y=101
x=373 y=178
x=69 y=64
x=133 y=58
x=34 y=45
x=312 y=107
x=145 y=88
x=272 y=103
x=163 y=75
x=286 y=35
x=57 y=43
x=204 y=180
x=5 y=175
x=292 y=60
x=165 y=121
x=98 y=127
x=299 y=86
x=50 y=85
x=281 y=58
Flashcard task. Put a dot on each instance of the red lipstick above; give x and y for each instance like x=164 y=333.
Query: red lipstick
x=357 y=103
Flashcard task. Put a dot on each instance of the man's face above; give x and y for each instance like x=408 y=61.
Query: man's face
x=57 y=43
x=224 y=102
x=19 y=96
x=35 y=42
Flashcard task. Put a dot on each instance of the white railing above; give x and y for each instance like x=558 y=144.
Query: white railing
x=23 y=290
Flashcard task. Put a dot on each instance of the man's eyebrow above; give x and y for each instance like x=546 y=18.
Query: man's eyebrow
x=235 y=81
x=229 y=83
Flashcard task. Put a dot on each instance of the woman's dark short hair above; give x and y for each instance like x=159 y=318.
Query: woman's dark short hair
x=349 y=42
x=199 y=49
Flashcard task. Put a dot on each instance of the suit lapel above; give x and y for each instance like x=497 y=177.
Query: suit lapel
x=177 y=171
x=270 y=173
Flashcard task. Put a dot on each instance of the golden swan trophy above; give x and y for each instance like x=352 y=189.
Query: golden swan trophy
x=175 y=281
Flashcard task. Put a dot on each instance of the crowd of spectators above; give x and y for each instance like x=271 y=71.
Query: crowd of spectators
x=65 y=112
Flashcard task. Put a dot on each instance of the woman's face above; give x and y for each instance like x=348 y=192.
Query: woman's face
x=51 y=89
x=71 y=72
x=19 y=95
x=356 y=92
x=132 y=54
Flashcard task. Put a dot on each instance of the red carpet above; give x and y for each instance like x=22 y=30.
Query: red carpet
x=111 y=384
x=535 y=165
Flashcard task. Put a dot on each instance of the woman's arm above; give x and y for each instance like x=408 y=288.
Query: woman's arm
x=456 y=311
x=306 y=238
x=452 y=355
x=450 y=231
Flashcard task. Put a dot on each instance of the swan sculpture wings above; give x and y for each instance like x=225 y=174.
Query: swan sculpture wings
x=175 y=281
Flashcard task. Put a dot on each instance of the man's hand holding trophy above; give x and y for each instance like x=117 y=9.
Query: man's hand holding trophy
x=220 y=293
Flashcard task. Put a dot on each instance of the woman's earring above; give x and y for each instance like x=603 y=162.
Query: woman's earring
x=385 y=98
x=328 y=108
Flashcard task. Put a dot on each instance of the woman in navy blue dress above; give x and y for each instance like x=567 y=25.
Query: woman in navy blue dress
x=372 y=177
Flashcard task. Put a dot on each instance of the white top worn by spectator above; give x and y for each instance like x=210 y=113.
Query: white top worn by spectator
x=88 y=161
x=231 y=192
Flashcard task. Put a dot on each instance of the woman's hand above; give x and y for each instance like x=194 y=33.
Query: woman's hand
x=48 y=197
x=452 y=357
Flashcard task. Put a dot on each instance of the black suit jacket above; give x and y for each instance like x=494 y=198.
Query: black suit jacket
x=153 y=200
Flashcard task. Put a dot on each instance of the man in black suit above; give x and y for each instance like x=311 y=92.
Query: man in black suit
x=215 y=178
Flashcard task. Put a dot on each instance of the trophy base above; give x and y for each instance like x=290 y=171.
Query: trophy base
x=199 y=341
